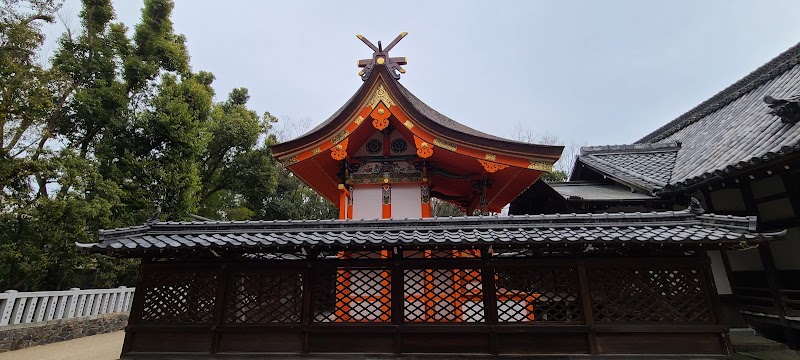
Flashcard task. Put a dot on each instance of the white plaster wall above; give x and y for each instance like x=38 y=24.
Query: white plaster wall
x=406 y=201
x=720 y=276
x=367 y=202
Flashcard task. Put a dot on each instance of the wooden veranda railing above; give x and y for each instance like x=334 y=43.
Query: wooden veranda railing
x=31 y=307
x=761 y=300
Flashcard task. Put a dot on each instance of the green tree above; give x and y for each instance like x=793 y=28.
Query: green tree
x=112 y=129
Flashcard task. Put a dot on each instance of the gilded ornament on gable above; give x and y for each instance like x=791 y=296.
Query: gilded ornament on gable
x=359 y=120
x=408 y=124
x=289 y=161
x=540 y=165
x=379 y=95
x=445 y=144
x=491 y=157
x=340 y=136
x=316 y=151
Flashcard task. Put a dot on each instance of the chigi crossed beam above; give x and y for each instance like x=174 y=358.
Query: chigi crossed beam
x=380 y=56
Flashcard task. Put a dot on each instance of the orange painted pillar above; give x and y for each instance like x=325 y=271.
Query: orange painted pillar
x=343 y=207
x=350 y=204
x=425 y=191
x=386 y=208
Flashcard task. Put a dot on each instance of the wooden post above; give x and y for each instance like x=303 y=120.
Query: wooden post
x=586 y=301
x=223 y=279
x=713 y=299
x=136 y=308
x=309 y=287
x=397 y=297
x=489 y=299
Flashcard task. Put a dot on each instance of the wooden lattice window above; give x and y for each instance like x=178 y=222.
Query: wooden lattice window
x=443 y=295
x=269 y=297
x=542 y=294
x=670 y=294
x=178 y=297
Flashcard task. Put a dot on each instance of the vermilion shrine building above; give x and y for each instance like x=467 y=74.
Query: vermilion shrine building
x=387 y=278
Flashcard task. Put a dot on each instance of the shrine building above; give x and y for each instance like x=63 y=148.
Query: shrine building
x=387 y=279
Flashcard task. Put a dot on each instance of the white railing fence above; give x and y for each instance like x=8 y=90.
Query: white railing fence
x=30 y=307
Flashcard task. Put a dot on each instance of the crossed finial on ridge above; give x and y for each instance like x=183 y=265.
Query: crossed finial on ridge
x=380 y=56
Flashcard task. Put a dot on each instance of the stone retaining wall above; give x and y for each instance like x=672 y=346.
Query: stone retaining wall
x=15 y=337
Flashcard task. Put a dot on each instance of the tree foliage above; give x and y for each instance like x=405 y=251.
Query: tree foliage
x=115 y=129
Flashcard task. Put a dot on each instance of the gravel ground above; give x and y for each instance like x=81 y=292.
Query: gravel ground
x=97 y=347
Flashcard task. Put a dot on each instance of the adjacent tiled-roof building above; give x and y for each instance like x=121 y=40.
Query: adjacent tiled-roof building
x=728 y=133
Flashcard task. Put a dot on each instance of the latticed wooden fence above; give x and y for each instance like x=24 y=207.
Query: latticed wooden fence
x=491 y=302
x=31 y=307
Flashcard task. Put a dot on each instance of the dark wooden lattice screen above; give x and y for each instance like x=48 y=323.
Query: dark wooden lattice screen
x=427 y=301
x=267 y=297
x=443 y=295
x=353 y=295
x=667 y=294
x=178 y=297
x=545 y=294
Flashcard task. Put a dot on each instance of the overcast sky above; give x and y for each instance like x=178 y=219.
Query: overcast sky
x=590 y=72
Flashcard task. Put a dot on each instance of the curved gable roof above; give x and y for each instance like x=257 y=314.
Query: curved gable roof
x=419 y=111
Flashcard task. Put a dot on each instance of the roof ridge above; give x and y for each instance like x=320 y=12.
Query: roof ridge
x=750 y=82
x=630 y=148
x=335 y=224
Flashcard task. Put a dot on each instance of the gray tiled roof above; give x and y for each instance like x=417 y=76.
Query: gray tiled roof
x=260 y=236
x=420 y=106
x=597 y=191
x=729 y=132
x=443 y=120
x=645 y=166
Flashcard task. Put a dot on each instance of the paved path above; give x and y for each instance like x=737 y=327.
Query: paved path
x=97 y=347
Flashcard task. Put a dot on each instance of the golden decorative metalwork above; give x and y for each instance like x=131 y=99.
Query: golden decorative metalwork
x=316 y=151
x=289 y=161
x=445 y=144
x=491 y=157
x=408 y=124
x=340 y=136
x=359 y=120
x=540 y=165
x=381 y=60
x=379 y=95
x=380 y=111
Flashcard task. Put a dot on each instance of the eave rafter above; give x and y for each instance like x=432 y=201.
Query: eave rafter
x=379 y=107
